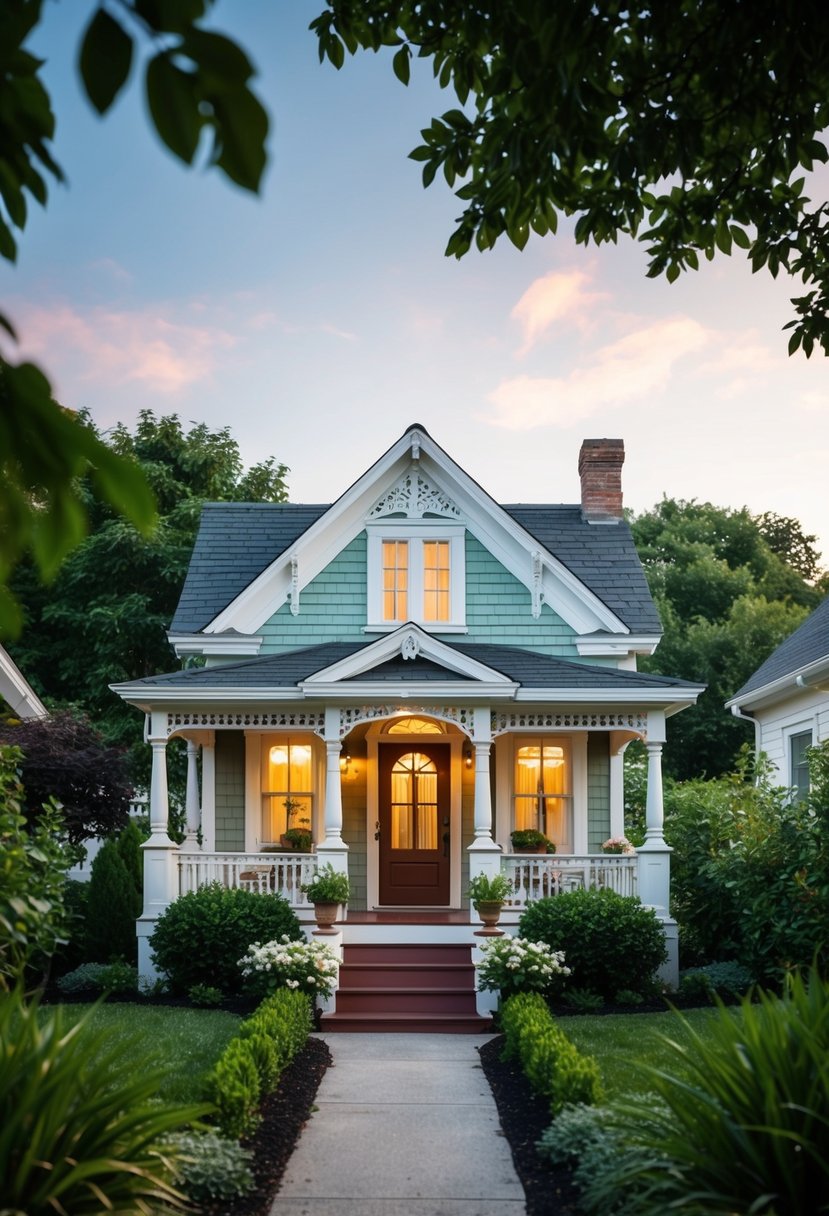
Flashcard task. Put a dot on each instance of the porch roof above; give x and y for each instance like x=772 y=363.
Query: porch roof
x=529 y=670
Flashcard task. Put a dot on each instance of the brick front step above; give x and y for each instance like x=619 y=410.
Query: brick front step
x=414 y=988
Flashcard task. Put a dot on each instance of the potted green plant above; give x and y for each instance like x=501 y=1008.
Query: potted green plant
x=326 y=890
x=530 y=840
x=488 y=893
x=299 y=839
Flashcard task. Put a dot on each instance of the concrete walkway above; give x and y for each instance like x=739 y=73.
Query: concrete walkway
x=406 y=1126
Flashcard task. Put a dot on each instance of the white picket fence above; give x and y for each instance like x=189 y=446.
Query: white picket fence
x=268 y=873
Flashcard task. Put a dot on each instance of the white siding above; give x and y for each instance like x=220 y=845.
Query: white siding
x=804 y=709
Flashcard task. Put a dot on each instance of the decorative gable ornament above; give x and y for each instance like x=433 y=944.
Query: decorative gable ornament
x=410 y=646
x=414 y=496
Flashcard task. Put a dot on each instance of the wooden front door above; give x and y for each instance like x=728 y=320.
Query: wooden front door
x=414 y=824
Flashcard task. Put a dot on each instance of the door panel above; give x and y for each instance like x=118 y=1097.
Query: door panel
x=414 y=823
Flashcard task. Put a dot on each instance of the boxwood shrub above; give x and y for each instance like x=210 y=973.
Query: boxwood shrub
x=553 y=1065
x=610 y=942
x=200 y=938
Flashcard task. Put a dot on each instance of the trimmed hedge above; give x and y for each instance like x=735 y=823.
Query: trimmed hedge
x=200 y=938
x=554 y=1067
x=611 y=942
x=253 y=1061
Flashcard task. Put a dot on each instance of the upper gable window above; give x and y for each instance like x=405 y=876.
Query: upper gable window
x=416 y=572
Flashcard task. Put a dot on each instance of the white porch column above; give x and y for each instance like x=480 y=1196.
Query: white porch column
x=160 y=870
x=333 y=848
x=192 y=802
x=484 y=853
x=655 y=854
x=208 y=792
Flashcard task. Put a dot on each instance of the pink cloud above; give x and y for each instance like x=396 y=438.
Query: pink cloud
x=624 y=372
x=560 y=296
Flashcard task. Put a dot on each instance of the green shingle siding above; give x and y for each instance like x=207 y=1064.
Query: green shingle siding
x=334 y=608
x=354 y=834
x=598 y=791
x=230 y=791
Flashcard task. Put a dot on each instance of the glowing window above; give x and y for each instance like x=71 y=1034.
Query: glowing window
x=436 y=580
x=414 y=726
x=287 y=787
x=542 y=788
x=395 y=580
x=414 y=803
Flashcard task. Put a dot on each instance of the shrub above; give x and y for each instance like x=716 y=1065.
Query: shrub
x=113 y=906
x=513 y=964
x=79 y=1118
x=611 y=940
x=286 y=1018
x=554 y=1066
x=582 y=1000
x=202 y=935
x=746 y=1128
x=205 y=996
x=211 y=1167
x=235 y=1088
x=301 y=965
x=100 y=977
x=129 y=844
x=71 y=951
x=725 y=980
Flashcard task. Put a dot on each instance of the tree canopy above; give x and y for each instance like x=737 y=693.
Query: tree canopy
x=688 y=126
x=730 y=586
x=104 y=618
x=198 y=90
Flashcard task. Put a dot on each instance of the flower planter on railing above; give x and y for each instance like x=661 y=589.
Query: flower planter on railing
x=540 y=876
x=268 y=873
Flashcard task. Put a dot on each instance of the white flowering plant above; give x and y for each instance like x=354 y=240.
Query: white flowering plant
x=514 y=964
x=308 y=966
x=618 y=844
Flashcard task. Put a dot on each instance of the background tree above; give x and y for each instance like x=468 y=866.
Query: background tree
x=111 y=909
x=687 y=126
x=727 y=598
x=105 y=616
x=197 y=85
x=64 y=757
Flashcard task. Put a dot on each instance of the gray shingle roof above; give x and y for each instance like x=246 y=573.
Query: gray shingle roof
x=523 y=666
x=602 y=556
x=808 y=644
x=237 y=541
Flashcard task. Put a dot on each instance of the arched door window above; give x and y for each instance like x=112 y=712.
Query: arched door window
x=414 y=802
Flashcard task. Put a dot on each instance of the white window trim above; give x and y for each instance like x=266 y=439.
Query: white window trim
x=415 y=532
x=575 y=746
x=789 y=732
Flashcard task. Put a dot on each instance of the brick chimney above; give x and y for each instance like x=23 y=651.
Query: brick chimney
x=600 y=470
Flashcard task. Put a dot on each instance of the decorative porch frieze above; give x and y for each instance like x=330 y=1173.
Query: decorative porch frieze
x=290 y=719
x=350 y=716
x=502 y=722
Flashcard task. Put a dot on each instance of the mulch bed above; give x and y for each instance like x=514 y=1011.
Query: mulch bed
x=524 y=1117
x=284 y=1114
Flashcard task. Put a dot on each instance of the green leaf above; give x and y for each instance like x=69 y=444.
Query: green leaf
x=402 y=64
x=241 y=129
x=174 y=106
x=105 y=60
x=218 y=56
x=740 y=236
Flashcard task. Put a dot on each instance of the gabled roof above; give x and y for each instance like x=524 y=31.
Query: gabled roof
x=473 y=670
x=804 y=652
x=242 y=550
x=16 y=690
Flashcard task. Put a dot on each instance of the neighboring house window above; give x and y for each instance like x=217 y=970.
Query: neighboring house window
x=542 y=787
x=798 y=765
x=287 y=787
x=416 y=572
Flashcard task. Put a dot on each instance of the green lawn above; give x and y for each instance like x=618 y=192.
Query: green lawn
x=622 y=1044
x=183 y=1043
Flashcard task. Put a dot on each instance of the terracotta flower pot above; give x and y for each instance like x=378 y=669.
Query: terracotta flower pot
x=490 y=913
x=326 y=914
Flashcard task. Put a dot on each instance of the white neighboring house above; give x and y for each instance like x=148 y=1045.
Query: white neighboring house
x=16 y=691
x=787 y=698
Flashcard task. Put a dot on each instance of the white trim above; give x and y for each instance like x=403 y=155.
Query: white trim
x=237 y=645
x=806 y=726
x=364 y=661
x=807 y=677
x=498 y=532
x=16 y=690
x=591 y=646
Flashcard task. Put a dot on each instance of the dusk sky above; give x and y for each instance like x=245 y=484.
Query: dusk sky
x=320 y=319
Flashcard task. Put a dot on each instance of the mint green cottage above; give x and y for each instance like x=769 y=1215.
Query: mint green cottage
x=409 y=675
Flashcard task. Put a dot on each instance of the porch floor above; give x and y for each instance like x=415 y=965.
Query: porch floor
x=411 y=916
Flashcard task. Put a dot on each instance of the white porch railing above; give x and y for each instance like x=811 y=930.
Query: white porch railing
x=535 y=876
x=269 y=873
